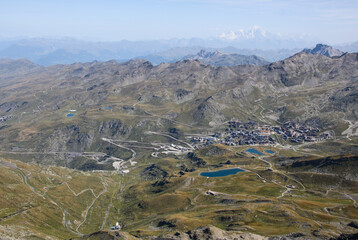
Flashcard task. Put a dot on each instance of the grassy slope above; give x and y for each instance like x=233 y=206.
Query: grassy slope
x=245 y=202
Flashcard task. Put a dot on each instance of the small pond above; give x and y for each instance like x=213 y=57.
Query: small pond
x=270 y=152
x=107 y=108
x=252 y=150
x=70 y=115
x=222 y=173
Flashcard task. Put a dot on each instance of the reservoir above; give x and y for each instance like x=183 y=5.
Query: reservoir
x=70 y=115
x=222 y=173
x=252 y=150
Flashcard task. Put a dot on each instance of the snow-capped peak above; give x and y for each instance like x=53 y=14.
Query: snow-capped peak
x=254 y=32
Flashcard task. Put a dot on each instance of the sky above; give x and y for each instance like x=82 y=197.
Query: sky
x=112 y=20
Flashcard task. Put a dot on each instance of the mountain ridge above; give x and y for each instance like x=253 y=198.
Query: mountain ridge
x=47 y=51
x=218 y=58
x=207 y=95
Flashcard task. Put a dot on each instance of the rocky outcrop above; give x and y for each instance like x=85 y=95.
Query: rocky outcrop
x=113 y=128
x=195 y=160
x=214 y=233
x=153 y=172
x=166 y=224
x=182 y=95
x=325 y=50
x=79 y=137
x=353 y=236
x=70 y=139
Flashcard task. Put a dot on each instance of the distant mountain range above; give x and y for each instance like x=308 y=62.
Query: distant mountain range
x=214 y=58
x=256 y=41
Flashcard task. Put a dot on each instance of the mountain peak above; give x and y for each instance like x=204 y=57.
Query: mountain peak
x=325 y=50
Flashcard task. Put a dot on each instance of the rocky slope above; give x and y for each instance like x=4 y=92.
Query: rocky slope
x=335 y=165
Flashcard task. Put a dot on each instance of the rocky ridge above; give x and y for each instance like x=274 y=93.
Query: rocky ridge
x=325 y=50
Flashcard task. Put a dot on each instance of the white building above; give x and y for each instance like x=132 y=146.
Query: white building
x=116 y=227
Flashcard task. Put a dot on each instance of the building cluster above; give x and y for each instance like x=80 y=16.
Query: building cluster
x=251 y=133
x=299 y=133
x=247 y=134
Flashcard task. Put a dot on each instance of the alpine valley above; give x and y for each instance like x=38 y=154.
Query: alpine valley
x=87 y=145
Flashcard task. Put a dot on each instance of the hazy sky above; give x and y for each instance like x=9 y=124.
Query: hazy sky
x=108 y=20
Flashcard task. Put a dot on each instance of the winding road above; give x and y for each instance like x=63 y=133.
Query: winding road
x=111 y=141
x=89 y=207
x=166 y=135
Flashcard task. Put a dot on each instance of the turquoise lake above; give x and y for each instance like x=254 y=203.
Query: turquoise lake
x=252 y=150
x=222 y=173
x=70 y=115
